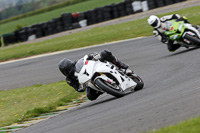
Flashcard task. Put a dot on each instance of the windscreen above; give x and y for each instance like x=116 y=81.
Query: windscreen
x=79 y=65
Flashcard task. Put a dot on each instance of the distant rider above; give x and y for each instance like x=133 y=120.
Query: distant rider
x=67 y=67
x=161 y=25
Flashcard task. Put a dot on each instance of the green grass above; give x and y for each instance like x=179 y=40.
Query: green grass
x=44 y=17
x=189 y=126
x=92 y=37
x=23 y=103
x=42 y=10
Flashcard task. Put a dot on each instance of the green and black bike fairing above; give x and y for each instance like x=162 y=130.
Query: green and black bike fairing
x=176 y=30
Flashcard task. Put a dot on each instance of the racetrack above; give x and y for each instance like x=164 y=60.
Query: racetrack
x=171 y=93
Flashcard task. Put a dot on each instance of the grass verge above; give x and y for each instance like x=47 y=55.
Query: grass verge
x=21 y=104
x=189 y=126
x=92 y=37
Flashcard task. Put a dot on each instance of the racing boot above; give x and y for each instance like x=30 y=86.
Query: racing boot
x=196 y=26
x=106 y=55
x=120 y=64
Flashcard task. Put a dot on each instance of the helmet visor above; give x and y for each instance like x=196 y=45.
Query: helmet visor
x=155 y=23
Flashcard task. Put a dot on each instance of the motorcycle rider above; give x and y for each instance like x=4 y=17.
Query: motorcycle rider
x=67 y=68
x=161 y=25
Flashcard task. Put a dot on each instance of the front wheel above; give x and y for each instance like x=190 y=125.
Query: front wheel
x=139 y=81
x=109 y=88
x=192 y=39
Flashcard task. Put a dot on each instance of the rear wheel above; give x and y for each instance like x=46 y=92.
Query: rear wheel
x=114 y=90
x=192 y=39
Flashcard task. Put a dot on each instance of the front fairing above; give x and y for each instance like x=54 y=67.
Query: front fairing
x=90 y=67
x=124 y=81
x=176 y=30
x=84 y=70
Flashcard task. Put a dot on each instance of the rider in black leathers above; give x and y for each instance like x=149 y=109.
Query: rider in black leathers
x=67 y=67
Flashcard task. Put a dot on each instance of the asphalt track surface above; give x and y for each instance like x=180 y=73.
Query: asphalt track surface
x=171 y=93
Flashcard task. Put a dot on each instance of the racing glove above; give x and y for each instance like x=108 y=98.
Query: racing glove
x=94 y=56
x=81 y=88
x=165 y=39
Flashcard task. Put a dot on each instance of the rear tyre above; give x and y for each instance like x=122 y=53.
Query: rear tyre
x=109 y=88
x=192 y=39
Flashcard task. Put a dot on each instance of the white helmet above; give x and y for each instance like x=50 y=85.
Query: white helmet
x=154 y=21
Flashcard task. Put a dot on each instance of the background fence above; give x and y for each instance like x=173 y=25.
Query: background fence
x=69 y=21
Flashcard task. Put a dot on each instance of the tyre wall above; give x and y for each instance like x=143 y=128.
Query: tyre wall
x=69 y=21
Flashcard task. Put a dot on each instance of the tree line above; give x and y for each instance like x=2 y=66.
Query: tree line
x=35 y=7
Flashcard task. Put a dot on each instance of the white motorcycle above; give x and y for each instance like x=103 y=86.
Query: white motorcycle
x=106 y=77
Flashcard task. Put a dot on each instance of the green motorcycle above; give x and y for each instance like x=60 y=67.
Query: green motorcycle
x=183 y=33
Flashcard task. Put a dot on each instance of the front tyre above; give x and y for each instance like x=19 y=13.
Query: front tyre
x=109 y=88
x=139 y=81
x=192 y=39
